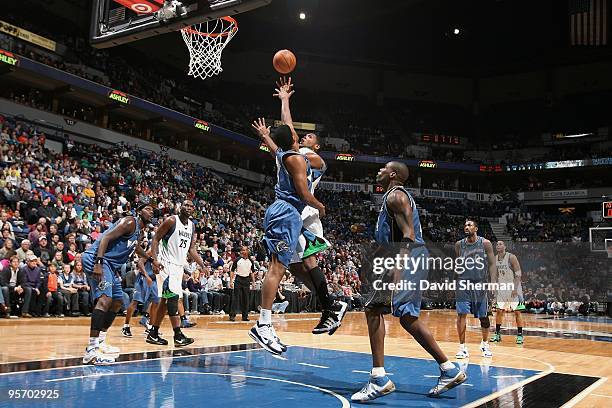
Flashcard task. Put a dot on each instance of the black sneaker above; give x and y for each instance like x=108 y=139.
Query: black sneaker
x=328 y=322
x=156 y=340
x=180 y=340
x=126 y=332
x=232 y=318
x=339 y=309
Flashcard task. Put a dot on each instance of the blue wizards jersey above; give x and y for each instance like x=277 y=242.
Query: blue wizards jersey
x=479 y=266
x=120 y=250
x=387 y=230
x=284 y=188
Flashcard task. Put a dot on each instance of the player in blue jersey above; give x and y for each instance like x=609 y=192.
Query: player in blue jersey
x=103 y=261
x=304 y=263
x=398 y=226
x=145 y=292
x=477 y=256
x=282 y=224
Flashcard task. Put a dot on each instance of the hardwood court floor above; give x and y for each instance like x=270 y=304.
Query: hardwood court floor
x=48 y=339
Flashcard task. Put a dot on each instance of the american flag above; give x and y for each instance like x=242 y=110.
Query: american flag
x=588 y=20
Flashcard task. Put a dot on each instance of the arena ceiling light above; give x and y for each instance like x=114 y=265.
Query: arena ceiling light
x=579 y=135
x=302 y=15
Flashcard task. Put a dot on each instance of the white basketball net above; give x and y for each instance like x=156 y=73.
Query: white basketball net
x=206 y=42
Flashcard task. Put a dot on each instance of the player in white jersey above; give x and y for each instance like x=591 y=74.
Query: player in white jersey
x=304 y=263
x=508 y=300
x=174 y=239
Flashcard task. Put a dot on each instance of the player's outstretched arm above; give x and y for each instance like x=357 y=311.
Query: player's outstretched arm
x=264 y=133
x=296 y=166
x=284 y=91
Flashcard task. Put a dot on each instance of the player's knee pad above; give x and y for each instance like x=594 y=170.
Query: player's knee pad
x=485 y=323
x=172 y=304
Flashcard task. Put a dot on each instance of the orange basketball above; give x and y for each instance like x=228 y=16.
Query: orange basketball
x=284 y=61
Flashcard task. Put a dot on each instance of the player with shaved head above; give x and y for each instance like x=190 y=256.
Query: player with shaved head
x=398 y=224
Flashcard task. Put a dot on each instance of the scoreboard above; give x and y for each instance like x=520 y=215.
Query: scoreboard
x=607 y=209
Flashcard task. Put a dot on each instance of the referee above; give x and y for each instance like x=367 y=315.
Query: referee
x=241 y=277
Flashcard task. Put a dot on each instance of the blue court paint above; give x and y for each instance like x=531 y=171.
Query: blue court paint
x=256 y=379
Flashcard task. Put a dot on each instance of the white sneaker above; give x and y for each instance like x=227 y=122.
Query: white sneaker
x=447 y=381
x=485 y=350
x=375 y=388
x=462 y=353
x=264 y=336
x=108 y=349
x=95 y=356
x=280 y=343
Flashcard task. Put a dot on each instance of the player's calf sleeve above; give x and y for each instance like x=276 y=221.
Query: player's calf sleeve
x=320 y=284
x=97 y=320
x=109 y=317
x=172 y=304
x=485 y=323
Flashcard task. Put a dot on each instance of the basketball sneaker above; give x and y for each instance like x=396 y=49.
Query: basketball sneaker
x=519 y=339
x=185 y=323
x=448 y=380
x=485 y=350
x=155 y=339
x=108 y=349
x=375 y=388
x=280 y=343
x=126 y=332
x=264 y=336
x=93 y=355
x=331 y=319
x=462 y=353
x=496 y=338
x=180 y=340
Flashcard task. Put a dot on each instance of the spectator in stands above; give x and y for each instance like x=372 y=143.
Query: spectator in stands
x=70 y=293
x=195 y=287
x=190 y=299
x=24 y=251
x=215 y=288
x=29 y=287
x=8 y=248
x=9 y=276
x=53 y=296
x=81 y=284
x=43 y=250
x=280 y=302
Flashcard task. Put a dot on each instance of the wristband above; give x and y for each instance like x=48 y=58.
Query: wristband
x=407 y=241
x=99 y=260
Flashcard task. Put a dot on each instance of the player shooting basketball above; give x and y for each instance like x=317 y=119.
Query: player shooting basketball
x=304 y=263
x=508 y=271
x=282 y=223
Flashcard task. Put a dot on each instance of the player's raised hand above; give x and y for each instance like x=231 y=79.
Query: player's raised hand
x=260 y=126
x=284 y=88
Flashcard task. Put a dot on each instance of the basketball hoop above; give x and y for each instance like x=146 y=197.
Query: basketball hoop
x=206 y=42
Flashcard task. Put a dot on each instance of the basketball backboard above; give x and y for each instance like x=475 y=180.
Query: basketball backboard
x=598 y=237
x=117 y=22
